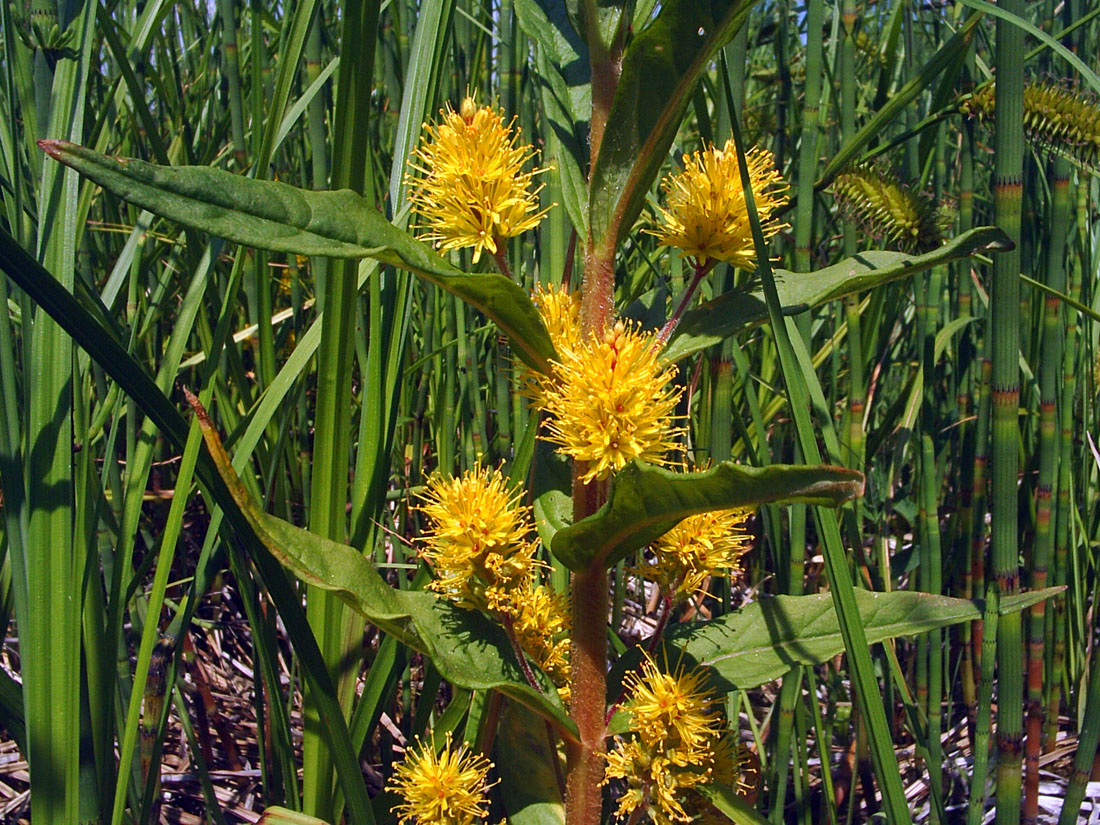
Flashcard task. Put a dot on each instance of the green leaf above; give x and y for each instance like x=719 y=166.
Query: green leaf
x=660 y=69
x=528 y=784
x=600 y=20
x=763 y=640
x=646 y=501
x=469 y=650
x=735 y=312
x=552 y=491
x=283 y=218
x=571 y=132
x=730 y=804
x=547 y=23
x=277 y=815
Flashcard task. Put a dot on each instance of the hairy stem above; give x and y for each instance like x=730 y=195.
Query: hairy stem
x=588 y=691
x=701 y=269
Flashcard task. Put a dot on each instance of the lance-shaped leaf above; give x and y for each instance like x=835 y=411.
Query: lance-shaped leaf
x=645 y=502
x=735 y=312
x=469 y=650
x=276 y=216
x=524 y=758
x=552 y=491
x=660 y=68
x=765 y=639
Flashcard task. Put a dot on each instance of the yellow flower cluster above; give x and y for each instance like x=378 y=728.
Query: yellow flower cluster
x=447 y=788
x=610 y=401
x=560 y=311
x=735 y=767
x=473 y=190
x=675 y=730
x=706 y=215
x=700 y=546
x=541 y=623
x=477 y=543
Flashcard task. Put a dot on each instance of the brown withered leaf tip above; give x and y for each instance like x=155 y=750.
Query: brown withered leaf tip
x=51 y=148
x=197 y=407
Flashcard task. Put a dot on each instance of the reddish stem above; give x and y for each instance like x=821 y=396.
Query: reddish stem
x=701 y=269
x=588 y=696
x=521 y=657
x=501 y=258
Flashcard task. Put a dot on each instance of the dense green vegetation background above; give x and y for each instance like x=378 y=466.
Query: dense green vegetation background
x=966 y=386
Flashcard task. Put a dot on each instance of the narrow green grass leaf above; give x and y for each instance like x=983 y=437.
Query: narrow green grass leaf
x=282 y=218
x=101 y=344
x=1088 y=312
x=277 y=815
x=946 y=55
x=735 y=312
x=989 y=8
x=734 y=807
x=645 y=502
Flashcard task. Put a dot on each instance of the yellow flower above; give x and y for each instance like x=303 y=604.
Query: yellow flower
x=700 y=546
x=474 y=191
x=541 y=620
x=672 y=750
x=735 y=767
x=652 y=782
x=672 y=711
x=560 y=310
x=610 y=401
x=706 y=215
x=444 y=789
x=477 y=541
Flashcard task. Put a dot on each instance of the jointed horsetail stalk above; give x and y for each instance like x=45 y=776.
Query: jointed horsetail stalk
x=1008 y=151
x=965 y=390
x=1065 y=503
x=1048 y=474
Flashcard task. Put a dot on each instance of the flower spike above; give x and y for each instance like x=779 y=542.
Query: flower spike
x=706 y=215
x=447 y=788
x=473 y=191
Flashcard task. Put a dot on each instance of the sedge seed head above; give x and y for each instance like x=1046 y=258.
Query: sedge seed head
x=610 y=401
x=706 y=215
x=473 y=190
x=477 y=540
x=909 y=220
x=1061 y=120
x=448 y=788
